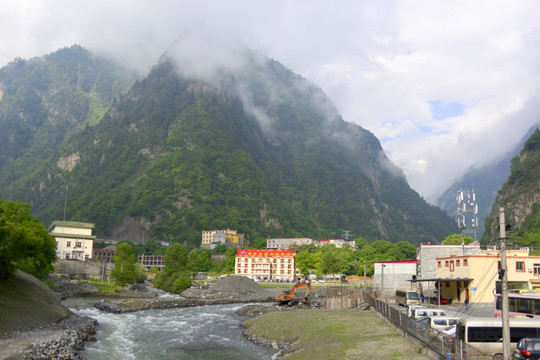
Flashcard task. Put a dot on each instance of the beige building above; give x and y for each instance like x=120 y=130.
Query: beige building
x=476 y=277
x=286 y=243
x=74 y=240
x=260 y=264
x=229 y=238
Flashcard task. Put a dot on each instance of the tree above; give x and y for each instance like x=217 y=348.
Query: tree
x=24 y=241
x=330 y=261
x=124 y=264
x=175 y=276
x=456 y=239
x=304 y=261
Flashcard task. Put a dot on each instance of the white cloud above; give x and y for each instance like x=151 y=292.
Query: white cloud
x=380 y=62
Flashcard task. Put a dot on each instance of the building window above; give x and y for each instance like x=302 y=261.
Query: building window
x=520 y=266
x=457 y=262
x=67 y=256
x=536 y=269
x=452 y=265
x=446 y=263
x=68 y=244
x=438 y=264
x=465 y=262
x=78 y=244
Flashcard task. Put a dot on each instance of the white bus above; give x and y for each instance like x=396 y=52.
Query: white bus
x=407 y=297
x=481 y=338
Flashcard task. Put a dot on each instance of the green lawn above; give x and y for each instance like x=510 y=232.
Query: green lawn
x=333 y=334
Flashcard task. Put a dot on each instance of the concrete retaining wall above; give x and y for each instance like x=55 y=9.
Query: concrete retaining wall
x=95 y=269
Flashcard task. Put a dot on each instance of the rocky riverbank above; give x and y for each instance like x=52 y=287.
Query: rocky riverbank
x=62 y=340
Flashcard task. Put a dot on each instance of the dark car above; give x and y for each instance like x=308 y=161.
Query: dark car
x=528 y=348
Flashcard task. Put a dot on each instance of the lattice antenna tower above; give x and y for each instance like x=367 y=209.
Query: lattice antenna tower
x=467 y=211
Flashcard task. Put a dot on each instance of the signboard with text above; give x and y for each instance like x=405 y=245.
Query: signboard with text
x=264 y=253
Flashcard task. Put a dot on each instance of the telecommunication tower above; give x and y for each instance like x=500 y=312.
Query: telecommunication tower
x=467 y=209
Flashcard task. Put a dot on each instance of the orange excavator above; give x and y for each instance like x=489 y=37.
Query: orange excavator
x=287 y=297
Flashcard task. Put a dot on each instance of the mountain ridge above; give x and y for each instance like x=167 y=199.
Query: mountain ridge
x=260 y=150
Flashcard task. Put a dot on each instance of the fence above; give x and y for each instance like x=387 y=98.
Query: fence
x=442 y=346
x=343 y=297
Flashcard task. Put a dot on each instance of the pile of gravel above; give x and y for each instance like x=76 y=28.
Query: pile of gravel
x=231 y=287
x=68 y=344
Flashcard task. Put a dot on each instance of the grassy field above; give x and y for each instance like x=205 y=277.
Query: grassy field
x=333 y=334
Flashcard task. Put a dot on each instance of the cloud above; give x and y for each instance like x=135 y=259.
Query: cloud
x=382 y=63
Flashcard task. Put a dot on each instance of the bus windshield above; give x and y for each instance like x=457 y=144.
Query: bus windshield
x=412 y=295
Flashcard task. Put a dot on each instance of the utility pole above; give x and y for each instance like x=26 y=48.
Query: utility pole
x=503 y=275
x=382 y=281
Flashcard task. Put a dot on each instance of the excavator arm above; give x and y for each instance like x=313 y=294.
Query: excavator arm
x=288 y=295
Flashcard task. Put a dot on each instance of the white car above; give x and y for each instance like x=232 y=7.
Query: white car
x=449 y=331
x=410 y=310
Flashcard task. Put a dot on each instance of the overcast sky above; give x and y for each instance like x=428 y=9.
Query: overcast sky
x=444 y=85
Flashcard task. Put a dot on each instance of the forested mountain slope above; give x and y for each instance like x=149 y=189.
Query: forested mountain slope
x=520 y=198
x=46 y=101
x=486 y=181
x=259 y=149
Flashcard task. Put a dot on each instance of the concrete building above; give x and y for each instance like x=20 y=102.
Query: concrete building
x=74 y=240
x=392 y=275
x=286 y=243
x=229 y=238
x=265 y=264
x=427 y=255
x=337 y=242
x=151 y=261
x=103 y=254
x=475 y=277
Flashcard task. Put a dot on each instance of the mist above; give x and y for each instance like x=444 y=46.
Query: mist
x=382 y=64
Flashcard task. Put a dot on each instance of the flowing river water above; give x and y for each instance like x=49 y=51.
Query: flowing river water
x=206 y=332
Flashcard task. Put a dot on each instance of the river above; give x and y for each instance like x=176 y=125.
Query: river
x=206 y=332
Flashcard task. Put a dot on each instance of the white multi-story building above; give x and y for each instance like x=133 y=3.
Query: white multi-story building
x=260 y=264
x=337 y=242
x=287 y=242
x=74 y=240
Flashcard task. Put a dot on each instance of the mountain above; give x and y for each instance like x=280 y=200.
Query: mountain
x=486 y=182
x=44 y=102
x=520 y=198
x=255 y=148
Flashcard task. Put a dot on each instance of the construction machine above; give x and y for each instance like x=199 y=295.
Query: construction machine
x=287 y=297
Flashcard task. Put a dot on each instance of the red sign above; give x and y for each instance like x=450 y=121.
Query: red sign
x=264 y=253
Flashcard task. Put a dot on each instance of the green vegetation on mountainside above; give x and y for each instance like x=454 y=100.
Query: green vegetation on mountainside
x=44 y=102
x=261 y=151
x=520 y=198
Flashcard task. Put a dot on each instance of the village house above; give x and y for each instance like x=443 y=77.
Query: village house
x=151 y=261
x=392 y=275
x=337 y=242
x=286 y=243
x=427 y=266
x=476 y=277
x=227 y=237
x=258 y=264
x=74 y=240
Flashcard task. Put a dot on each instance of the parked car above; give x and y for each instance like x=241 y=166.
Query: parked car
x=528 y=348
x=417 y=313
x=449 y=331
x=410 y=309
x=443 y=300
